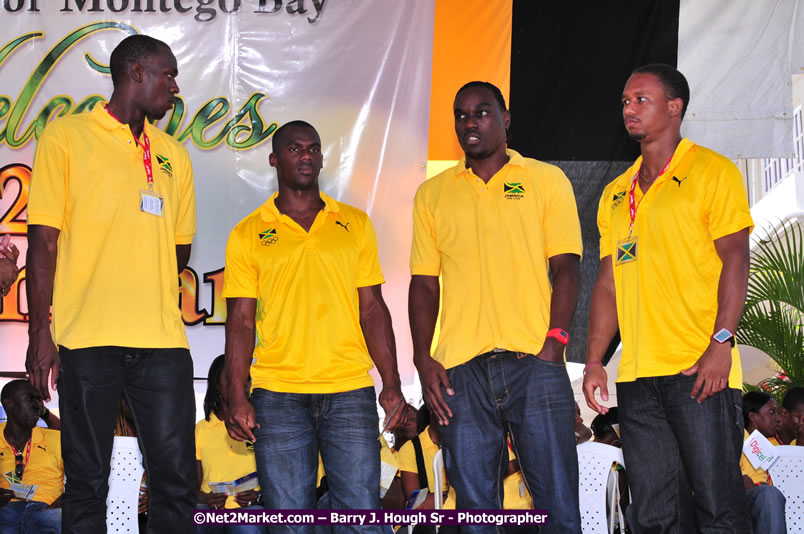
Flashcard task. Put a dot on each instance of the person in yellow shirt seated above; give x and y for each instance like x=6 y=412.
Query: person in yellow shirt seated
x=765 y=502
x=791 y=431
x=223 y=459
x=30 y=464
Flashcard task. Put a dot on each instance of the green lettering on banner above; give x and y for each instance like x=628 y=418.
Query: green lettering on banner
x=245 y=130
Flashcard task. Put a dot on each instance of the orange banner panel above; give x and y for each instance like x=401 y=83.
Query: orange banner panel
x=472 y=41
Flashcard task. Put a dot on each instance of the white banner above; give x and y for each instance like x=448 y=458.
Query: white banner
x=358 y=71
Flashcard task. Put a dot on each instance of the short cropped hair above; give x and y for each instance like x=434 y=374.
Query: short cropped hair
x=675 y=84
x=132 y=49
x=276 y=139
x=793 y=398
x=9 y=390
x=486 y=85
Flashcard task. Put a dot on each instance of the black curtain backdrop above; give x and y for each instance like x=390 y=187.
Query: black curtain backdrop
x=569 y=64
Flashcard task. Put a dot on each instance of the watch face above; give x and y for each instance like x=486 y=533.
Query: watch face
x=722 y=335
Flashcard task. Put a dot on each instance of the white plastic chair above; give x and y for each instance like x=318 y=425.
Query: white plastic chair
x=594 y=466
x=787 y=473
x=438 y=475
x=124 y=486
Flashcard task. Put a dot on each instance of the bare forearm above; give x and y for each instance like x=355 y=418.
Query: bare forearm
x=41 y=270
x=375 y=321
x=731 y=290
x=603 y=323
x=182 y=256
x=565 y=294
x=423 y=302
x=240 y=335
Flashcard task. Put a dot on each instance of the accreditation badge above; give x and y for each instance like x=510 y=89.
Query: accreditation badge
x=626 y=251
x=152 y=203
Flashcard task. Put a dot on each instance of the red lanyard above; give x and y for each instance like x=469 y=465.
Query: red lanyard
x=19 y=453
x=146 y=152
x=632 y=205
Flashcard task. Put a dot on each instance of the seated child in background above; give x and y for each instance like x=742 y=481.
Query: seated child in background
x=791 y=432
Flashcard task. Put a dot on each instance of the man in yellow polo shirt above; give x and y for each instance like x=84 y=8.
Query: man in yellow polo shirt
x=494 y=228
x=673 y=274
x=111 y=218
x=303 y=279
x=31 y=470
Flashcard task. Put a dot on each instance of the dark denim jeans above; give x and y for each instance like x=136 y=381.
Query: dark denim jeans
x=498 y=392
x=29 y=517
x=294 y=428
x=158 y=387
x=683 y=457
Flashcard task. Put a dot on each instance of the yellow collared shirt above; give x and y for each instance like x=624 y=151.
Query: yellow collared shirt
x=44 y=467
x=491 y=244
x=667 y=298
x=115 y=280
x=309 y=338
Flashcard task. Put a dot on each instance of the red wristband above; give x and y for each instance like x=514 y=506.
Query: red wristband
x=560 y=334
x=590 y=364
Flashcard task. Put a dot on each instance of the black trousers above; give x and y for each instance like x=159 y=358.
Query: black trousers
x=157 y=385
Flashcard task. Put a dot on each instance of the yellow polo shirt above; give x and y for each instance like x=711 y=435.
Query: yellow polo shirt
x=222 y=458
x=116 y=277
x=667 y=297
x=44 y=467
x=491 y=244
x=309 y=338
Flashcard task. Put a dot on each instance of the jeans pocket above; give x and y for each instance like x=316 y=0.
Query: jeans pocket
x=562 y=364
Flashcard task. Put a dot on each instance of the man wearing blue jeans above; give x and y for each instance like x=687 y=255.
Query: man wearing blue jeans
x=673 y=273
x=303 y=278
x=491 y=227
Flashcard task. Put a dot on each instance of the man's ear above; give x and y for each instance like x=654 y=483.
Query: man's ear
x=675 y=106
x=272 y=159
x=136 y=72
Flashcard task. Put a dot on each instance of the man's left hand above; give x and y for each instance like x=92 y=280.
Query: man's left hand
x=552 y=351
x=246 y=498
x=391 y=399
x=713 y=369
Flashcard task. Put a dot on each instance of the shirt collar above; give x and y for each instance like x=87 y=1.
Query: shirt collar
x=514 y=158
x=37 y=436
x=270 y=212
x=107 y=122
x=684 y=146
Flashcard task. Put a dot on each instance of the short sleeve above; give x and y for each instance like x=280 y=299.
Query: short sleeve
x=50 y=179
x=562 y=228
x=240 y=277
x=728 y=210
x=407 y=458
x=424 y=256
x=186 y=220
x=369 y=272
x=603 y=224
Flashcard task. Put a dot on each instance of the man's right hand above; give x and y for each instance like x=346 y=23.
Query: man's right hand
x=241 y=419
x=596 y=377
x=42 y=362
x=5 y=496
x=433 y=377
x=216 y=501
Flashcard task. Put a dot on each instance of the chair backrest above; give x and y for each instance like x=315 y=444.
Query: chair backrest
x=124 y=486
x=594 y=465
x=438 y=474
x=787 y=474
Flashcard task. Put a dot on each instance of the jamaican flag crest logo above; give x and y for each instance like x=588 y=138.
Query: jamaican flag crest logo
x=626 y=251
x=513 y=190
x=617 y=199
x=268 y=237
x=164 y=165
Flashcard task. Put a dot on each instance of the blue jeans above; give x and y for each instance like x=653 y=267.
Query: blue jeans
x=294 y=428
x=532 y=400
x=231 y=529
x=767 y=509
x=29 y=517
x=683 y=457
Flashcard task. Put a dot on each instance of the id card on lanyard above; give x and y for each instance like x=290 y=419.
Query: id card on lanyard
x=150 y=201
